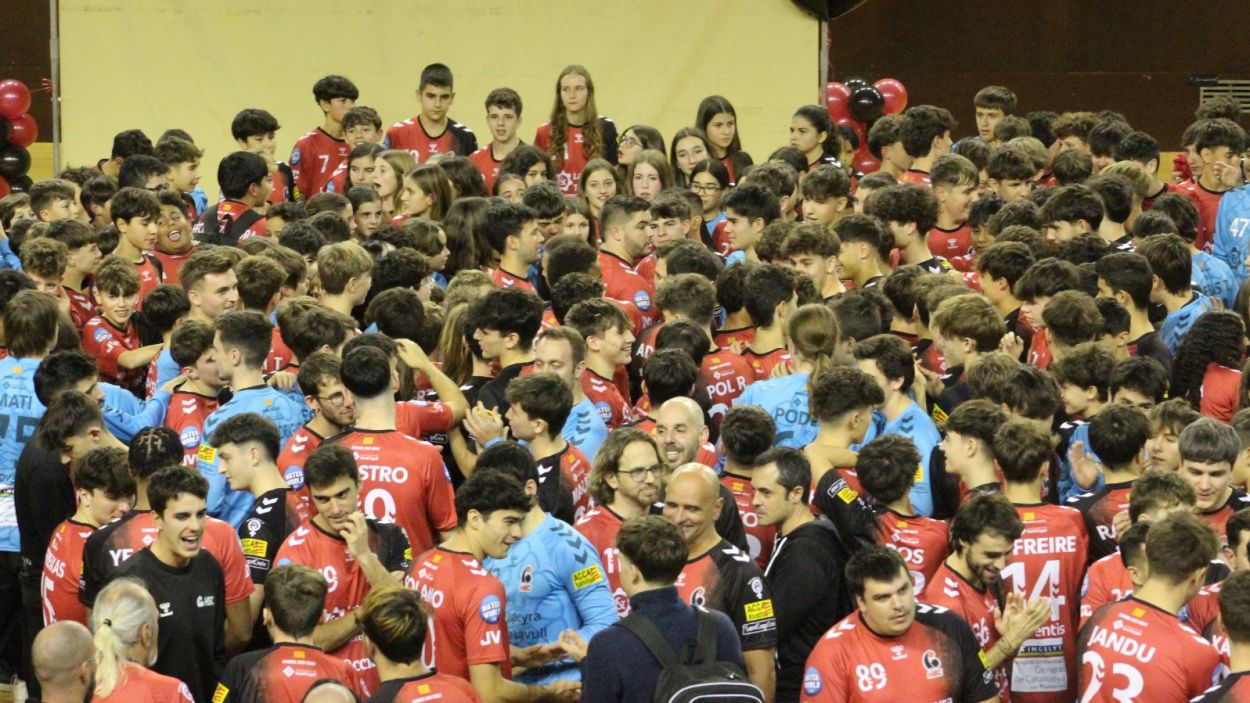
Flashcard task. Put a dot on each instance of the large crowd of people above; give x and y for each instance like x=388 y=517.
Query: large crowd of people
x=610 y=417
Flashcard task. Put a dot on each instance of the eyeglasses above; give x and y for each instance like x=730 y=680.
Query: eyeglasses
x=637 y=475
x=629 y=141
x=335 y=400
x=704 y=189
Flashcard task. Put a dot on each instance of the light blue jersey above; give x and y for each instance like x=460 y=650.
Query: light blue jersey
x=125 y=415
x=1176 y=325
x=20 y=411
x=555 y=582
x=271 y=403
x=1214 y=277
x=785 y=400
x=166 y=368
x=1231 y=243
x=1068 y=487
x=585 y=429
x=915 y=424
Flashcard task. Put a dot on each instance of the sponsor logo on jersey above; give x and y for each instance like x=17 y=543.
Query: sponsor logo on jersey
x=811 y=681
x=254 y=525
x=759 y=610
x=295 y=156
x=190 y=437
x=587 y=577
x=490 y=609
x=642 y=300
x=933 y=665
x=100 y=335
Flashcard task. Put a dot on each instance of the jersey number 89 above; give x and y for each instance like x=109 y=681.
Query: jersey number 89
x=870 y=677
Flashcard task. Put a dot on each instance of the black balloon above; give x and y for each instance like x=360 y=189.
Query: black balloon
x=14 y=161
x=21 y=185
x=6 y=130
x=854 y=84
x=866 y=104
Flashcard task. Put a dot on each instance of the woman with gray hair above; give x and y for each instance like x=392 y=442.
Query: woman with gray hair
x=124 y=625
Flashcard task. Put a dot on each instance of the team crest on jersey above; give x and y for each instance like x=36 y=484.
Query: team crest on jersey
x=642 y=301
x=100 y=335
x=699 y=597
x=490 y=609
x=932 y=665
x=294 y=476
x=295 y=156
x=757 y=587
x=811 y=681
x=527 y=579
x=254 y=525
x=190 y=437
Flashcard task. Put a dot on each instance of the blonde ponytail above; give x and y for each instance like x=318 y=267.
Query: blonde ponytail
x=814 y=337
x=121 y=610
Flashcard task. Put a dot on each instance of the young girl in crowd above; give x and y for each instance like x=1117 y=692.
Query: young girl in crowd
x=463 y=227
x=577 y=219
x=366 y=210
x=690 y=146
x=633 y=142
x=388 y=179
x=530 y=163
x=430 y=239
x=709 y=179
x=510 y=186
x=466 y=180
x=811 y=132
x=649 y=174
x=576 y=133
x=1206 y=370
x=719 y=121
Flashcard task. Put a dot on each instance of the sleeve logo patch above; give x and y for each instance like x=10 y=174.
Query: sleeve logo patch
x=587 y=577
x=207 y=454
x=919 y=474
x=759 y=610
x=811 y=681
x=219 y=696
x=490 y=609
x=985 y=661
x=254 y=547
x=848 y=494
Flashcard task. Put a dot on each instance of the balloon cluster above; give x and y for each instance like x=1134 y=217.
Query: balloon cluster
x=17 y=131
x=857 y=104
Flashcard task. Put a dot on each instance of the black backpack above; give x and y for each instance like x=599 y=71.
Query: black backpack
x=703 y=677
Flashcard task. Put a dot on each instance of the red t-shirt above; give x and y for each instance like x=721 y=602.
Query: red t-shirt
x=105 y=342
x=403 y=480
x=171 y=264
x=1208 y=205
x=1039 y=350
x=600 y=526
x=336 y=184
x=570 y=163
x=487 y=165
x=728 y=339
x=1048 y=562
x=1218 y=518
x=82 y=306
x=1106 y=581
x=976 y=607
x=149 y=278
x=911 y=175
x=725 y=375
x=278 y=194
x=62 y=568
x=279 y=354
x=313 y=160
x=503 y=279
x=760 y=538
x=575 y=472
x=924 y=543
x=295 y=453
x=428 y=688
x=140 y=684
x=1100 y=508
x=950 y=244
x=469 y=606
x=720 y=239
x=186 y=415
x=282 y=673
x=762 y=364
x=624 y=283
x=1130 y=647
x=410 y=135
x=1221 y=388
x=418 y=418
x=607 y=399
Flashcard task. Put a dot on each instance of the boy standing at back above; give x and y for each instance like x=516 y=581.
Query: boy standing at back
x=909 y=211
x=183 y=160
x=135 y=214
x=317 y=154
x=432 y=132
x=503 y=118
x=256 y=131
x=1219 y=143
x=245 y=186
x=926 y=134
x=992 y=103
x=955 y=180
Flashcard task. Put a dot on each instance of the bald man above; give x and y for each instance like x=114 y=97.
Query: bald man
x=63 y=657
x=720 y=576
x=329 y=692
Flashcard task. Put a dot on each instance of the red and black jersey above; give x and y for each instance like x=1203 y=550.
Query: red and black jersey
x=284 y=189
x=644 y=344
x=111 y=545
x=470 y=617
x=151 y=275
x=404 y=481
x=725 y=375
x=950 y=243
x=1106 y=581
x=924 y=543
x=273 y=517
x=1148 y=202
x=1218 y=518
x=1039 y=351
x=62 y=569
x=599 y=526
x=1208 y=202
x=313 y=160
x=607 y=399
x=570 y=163
x=279 y=354
x=346 y=583
x=762 y=364
x=487 y=165
x=418 y=418
x=171 y=264
x=336 y=184
x=977 y=606
x=936 y=659
x=1099 y=508
x=735 y=338
x=504 y=279
x=724 y=578
x=1221 y=392
x=282 y=673
x=623 y=282
x=106 y=342
x=229 y=222
x=760 y=538
x=295 y=453
x=1131 y=647
x=186 y=415
x=426 y=688
x=1048 y=561
x=138 y=683
x=410 y=135
x=82 y=306
x=912 y=175
x=1234 y=689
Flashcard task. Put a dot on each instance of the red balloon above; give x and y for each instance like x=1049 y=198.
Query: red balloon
x=25 y=131
x=865 y=162
x=4 y=186
x=894 y=93
x=14 y=98
x=836 y=106
x=835 y=87
x=860 y=130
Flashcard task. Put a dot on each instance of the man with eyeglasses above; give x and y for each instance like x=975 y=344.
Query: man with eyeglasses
x=333 y=406
x=625 y=481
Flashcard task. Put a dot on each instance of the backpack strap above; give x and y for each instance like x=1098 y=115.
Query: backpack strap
x=707 y=636
x=652 y=638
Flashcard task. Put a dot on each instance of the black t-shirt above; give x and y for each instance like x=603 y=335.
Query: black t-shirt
x=809 y=596
x=44 y=497
x=1151 y=344
x=191 y=605
x=554 y=494
x=272 y=518
x=492 y=393
x=105 y=551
